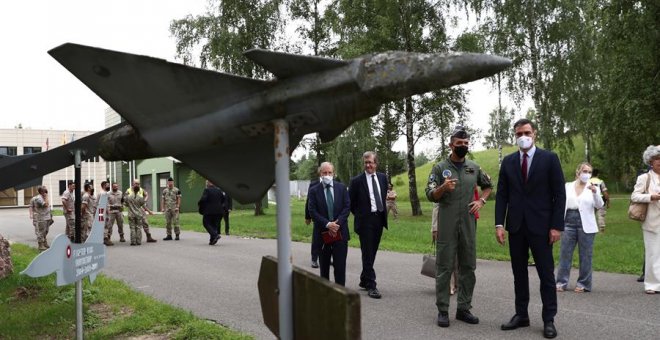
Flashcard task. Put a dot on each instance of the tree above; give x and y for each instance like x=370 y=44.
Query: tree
x=500 y=122
x=229 y=28
x=407 y=25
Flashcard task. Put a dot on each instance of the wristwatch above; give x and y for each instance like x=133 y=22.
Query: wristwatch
x=483 y=200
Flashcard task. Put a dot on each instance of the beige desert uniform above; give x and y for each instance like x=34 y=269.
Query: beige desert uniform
x=115 y=208
x=171 y=199
x=68 y=200
x=87 y=215
x=42 y=220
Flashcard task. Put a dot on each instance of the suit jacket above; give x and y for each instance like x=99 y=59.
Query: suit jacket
x=318 y=208
x=312 y=184
x=227 y=202
x=212 y=202
x=539 y=203
x=360 y=201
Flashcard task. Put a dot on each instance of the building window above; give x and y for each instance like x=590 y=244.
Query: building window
x=8 y=150
x=31 y=149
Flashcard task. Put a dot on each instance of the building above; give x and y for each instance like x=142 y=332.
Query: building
x=20 y=141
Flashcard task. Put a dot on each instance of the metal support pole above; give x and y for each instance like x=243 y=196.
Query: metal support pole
x=79 y=310
x=78 y=231
x=284 y=268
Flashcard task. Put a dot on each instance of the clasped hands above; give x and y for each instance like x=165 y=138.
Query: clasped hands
x=333 y=227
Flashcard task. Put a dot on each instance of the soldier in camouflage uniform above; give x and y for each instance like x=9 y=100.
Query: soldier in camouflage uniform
x=136 y=203
x=42 y=216
x=451 y=184
x=68 y=200
x=115 y=208
x=86 y=211
x=170 y=203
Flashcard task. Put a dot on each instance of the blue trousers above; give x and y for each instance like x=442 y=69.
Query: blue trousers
x=574 y=235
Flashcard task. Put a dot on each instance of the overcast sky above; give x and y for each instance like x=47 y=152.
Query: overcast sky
x=38 y=93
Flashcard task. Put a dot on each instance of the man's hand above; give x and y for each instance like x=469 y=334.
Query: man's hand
x=499 y=236
x=449 y=184
x=475 y=206
x=308 y=221
x=434 y=235
x=333 y=227
x=555 y=235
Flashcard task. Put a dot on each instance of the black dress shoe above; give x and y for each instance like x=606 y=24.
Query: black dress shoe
x=465 y=315
x=215 y=240
x=362 y=285
x=516 y=321
x=374 y=293
x=315 y=264
x=549 y=330
x=640 y=278
x=443 y=319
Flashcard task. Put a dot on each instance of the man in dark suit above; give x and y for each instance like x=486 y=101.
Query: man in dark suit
x=367 y=193
x=530 y=203
x=329 y=207
x=211 y=206
x=317 y=242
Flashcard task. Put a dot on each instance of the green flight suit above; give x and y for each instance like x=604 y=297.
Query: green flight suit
x=456 y=230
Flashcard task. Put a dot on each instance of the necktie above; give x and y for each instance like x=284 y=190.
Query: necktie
x=379 y=203
x=524 y=168
x=329 y=201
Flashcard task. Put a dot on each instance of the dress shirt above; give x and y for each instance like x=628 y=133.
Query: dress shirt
x=530 y=157
x=372 y=199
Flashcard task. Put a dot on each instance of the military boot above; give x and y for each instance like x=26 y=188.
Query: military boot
x=177 y=237
x=168 y=238
x=107 y=242
x=121 y=238
x=42 y=246
x=149 y=239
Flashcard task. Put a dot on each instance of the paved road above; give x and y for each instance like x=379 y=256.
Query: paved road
x=219 y=283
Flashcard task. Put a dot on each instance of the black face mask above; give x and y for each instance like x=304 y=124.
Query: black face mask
x=461 y=151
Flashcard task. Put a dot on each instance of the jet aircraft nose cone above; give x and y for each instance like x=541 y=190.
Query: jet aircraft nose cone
x=467 y=67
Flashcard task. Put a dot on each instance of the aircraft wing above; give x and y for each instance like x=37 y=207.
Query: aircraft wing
x=151 y=93
x=243 y=171
x=26 y=169
x=287 y=65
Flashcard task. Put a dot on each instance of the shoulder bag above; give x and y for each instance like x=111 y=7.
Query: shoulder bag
x=637 y=210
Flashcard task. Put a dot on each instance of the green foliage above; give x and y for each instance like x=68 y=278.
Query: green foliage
x=500 y=131
x=307 y=168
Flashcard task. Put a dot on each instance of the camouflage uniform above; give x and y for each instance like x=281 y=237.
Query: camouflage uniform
x=456 y=230
x=135 y=202
x=171 y=198
x=68 y=199
x=114 y=214
x=87 y=215
x=42 y=219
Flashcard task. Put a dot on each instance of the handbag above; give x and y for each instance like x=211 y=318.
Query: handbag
x=329 y=239
x=428 y=264
x=637 y=210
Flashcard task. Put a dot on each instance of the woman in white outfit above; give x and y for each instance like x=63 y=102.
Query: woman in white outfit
x=582 y=198
x=650 y=226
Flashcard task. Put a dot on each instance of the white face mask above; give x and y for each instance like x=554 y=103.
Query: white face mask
x=326 y=179
x=585 y=178
x=524 y=142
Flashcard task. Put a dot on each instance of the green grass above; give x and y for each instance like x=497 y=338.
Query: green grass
x=619 y=250
x=34 y=308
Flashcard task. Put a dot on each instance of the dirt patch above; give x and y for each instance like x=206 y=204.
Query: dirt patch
x=106 y=313
x=24 y=293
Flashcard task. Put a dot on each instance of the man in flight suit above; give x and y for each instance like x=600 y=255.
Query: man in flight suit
x=451 y=184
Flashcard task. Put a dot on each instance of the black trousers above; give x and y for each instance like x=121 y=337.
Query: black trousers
x=335 y=252
x=225 y=217
x=317 y=245
x=212 y=225
x=370 y=234
x=519 y=245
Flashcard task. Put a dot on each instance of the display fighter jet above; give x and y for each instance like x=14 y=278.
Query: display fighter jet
x=221 y=124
